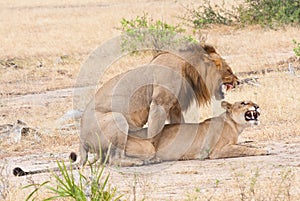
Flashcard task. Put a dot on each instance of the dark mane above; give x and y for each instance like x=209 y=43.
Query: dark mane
x=197 y=88
x=192 y=69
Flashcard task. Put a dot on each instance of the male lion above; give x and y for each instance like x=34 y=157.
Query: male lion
x=153 y=93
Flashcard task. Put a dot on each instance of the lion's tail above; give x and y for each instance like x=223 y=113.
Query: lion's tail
x=18 y=172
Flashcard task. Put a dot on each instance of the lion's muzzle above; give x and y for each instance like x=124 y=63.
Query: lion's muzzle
x=252 y=115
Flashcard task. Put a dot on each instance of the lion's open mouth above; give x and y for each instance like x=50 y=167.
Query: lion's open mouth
x=228 y=86
x=225 y=87
x=252 y=116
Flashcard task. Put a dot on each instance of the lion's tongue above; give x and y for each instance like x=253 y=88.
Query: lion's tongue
x=229 y=87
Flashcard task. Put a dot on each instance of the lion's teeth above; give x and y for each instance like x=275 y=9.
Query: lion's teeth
x=224 y=89
x=248 y=118
x=252 y=108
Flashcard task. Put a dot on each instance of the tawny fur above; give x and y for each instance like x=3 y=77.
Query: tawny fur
x=213 y=138
x=154 y=93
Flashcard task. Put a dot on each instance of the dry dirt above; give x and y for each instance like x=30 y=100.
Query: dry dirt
x=272 y=177
x=43 y=48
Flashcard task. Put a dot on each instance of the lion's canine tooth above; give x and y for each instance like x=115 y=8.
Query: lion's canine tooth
x=252 y=115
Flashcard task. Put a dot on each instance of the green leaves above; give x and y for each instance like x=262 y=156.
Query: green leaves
x=270 y=13
x=74 y=184
x=206 y=14
x=297 y=48
x=66 y=186
x=267 y=13
x=144 y=32
x=37 y=188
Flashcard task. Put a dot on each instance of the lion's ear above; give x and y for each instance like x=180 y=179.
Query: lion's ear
x=227 y=106
x=213 y=55
x=209 y=49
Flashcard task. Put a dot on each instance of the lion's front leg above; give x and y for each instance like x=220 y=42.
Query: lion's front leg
x=175 y=115
x=231 y=151
x=156 y=119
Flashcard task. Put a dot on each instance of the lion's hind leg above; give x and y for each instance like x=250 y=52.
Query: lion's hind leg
x=138 y=152
x=83 y=154
x=103 y=134
x=231 y=151
x=114 y=131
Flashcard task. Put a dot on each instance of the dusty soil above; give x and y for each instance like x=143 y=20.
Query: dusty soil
x=228 y=179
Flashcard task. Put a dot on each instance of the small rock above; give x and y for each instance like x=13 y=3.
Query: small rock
x=15 y=132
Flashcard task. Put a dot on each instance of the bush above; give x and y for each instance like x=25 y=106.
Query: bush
x=267 y=13
x=297 y=48
x=144 y=32
x=206 y=14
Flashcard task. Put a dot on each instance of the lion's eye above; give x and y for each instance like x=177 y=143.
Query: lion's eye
x=244 y=103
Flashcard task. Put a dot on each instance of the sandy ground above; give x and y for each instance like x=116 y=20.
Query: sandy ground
x=48 y=43
x=190 y=180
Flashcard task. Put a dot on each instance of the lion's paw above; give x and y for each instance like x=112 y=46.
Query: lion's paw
x=153 y=160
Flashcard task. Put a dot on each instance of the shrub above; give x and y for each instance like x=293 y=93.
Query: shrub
x=296 y=48
x=267 y=13
x=144 y=32
x=270 y=13
x=207 y=14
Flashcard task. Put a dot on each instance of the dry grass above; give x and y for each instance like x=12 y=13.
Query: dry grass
x=35 y=29
x=249 y=185
x=278 y=97
x=48 y=42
